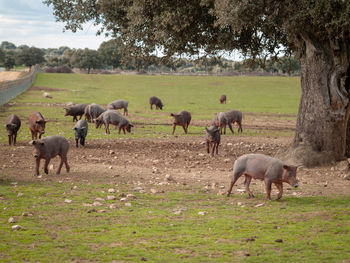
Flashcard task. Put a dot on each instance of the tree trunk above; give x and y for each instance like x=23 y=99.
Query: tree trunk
x=322 y=130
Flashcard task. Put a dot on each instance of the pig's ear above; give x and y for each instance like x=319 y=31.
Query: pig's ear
x=32 y=142
x=206 y=129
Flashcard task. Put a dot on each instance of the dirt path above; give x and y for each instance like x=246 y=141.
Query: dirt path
x=148 y=162
x=10 y=75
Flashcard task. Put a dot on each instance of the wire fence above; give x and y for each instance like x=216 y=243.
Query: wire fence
x=12 y=88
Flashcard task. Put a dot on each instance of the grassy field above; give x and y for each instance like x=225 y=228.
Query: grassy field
x=181 y=222
x=197 y=94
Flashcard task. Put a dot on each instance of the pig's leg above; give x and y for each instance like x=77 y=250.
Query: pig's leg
x=234 y=180
x=240 y=127
x=76 y=143
x=39 y=136
x=280 y=189
x=46 y=170
x=10 y=139
x=82 y=141
x=14 y=138
x=224 y=128
x=37 y=164
x=217 y=148
x=174 y=126
x=207 y=146
x=184 y=127
x=247 y=181
x=66 y=163
x=80 y=117
x=60 y=166
x=212 y=148
x=230 y=126
x=268 y=184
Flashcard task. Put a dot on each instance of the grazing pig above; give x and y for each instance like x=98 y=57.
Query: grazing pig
x=92 y=111
x=263 y=167
x=75 y=110
x=221 y=121
x=49 y=147
x=183 y=118
x=36 y=124
x=118 y=104
x=12 y=126
x=213 y=139
x=232 y=117
x=156 y=101
x=115 y=118
x=81 y=129
x=223 y=99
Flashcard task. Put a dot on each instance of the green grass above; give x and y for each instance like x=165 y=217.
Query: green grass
x=313 y=229
x=197 y=94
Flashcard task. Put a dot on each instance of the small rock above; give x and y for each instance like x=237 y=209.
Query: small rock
x=227 y=160
x=153 y=191
x=110 y=167
x=123 y=199
x=178 y=212
x=130 y=196
x=102 y=211
x=111 y=152
x=138 y=189
x=12 y=220
x=51 y=167
x=99 y=199
x=169 y=178
x=239 y=203
x=20 y=194
x=279 y=240
x=113 y=206
x=75 y=187
x=259 y=205
x=342 y=166
x=128 y=204
x=111 y=190
x=68 y=201
x=87 y=205
x=96 y=203
x=202 y=213
x=111 y=197
x=229 y=144
x=16 y=227
x=347 y=177
x=47 y=95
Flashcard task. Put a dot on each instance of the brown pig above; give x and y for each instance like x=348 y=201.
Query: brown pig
x=183 y=118
x=223 y=99
x=36 y=124
x=263 y=167
x=12 y=126
x=49 y=147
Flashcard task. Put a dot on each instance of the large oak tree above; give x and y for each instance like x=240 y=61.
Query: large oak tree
x=316 y=30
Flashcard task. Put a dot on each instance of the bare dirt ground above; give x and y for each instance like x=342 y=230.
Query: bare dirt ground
x=10 y=75
x=147 y=162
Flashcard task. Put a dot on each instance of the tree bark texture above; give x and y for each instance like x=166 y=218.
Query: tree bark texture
x=322 y=123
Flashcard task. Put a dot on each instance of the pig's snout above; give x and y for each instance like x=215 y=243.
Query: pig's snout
x=42 y=132
x=296 y=185
x=36 y=155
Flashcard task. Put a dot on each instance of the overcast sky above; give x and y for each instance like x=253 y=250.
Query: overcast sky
x=30 y=22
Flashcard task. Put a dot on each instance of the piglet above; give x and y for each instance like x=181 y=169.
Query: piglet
x=213 y=139
x=12 y=126
x=49 y=147
x=263 y=167
x=156 y=101
x=80 y=130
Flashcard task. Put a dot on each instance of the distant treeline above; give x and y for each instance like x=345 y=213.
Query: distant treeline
x=111 y=56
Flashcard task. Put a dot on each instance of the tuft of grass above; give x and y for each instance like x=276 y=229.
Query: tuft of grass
x=197 y=94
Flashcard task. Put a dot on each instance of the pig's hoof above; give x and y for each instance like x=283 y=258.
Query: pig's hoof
x=46 y=171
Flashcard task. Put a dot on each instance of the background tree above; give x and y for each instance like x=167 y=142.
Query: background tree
x=31 y=56
x=109 y=54
x=86 y=59
x=7 y=45
x=9 y=60
x=318 y=31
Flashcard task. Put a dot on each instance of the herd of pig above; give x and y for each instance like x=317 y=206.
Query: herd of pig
x=252 y=166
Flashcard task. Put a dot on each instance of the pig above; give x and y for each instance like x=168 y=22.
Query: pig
x=36 y=124
x=12 y=126
x=156 y=101
x=49 y=147
x=118 y=104
x=80 y=130
x=220 y=121
x=213 y=139
x=183 y=118
x=263 y=167
x=92 y=111
x=232 y=117
x=223 y=99
x=75 y=110
x=115 y=118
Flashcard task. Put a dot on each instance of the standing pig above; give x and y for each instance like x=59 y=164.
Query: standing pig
x=48 y=148
x=36 y=124
x=80 y=130
x=118 y=104
x=263 y=167
x=115 y=118
x=232 y=117
x=12 y=126
x=156 y=101
x=183 y=118
x=92 y=111
x=223 y=99
x=213 y=139
x=75 y=110
x=221 y=121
